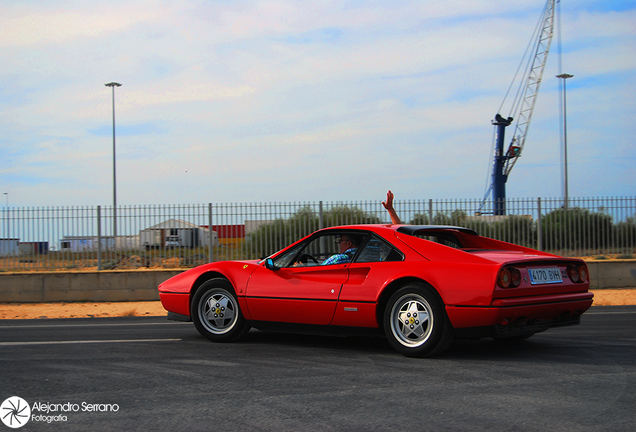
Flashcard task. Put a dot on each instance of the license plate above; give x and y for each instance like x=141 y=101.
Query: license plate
x=545 y=275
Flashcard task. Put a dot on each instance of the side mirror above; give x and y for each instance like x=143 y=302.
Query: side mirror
x=269 y=264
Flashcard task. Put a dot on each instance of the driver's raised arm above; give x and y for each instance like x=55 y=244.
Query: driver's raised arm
x=388 y=205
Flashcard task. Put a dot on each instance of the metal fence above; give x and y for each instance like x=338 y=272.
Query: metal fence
x=170 y=236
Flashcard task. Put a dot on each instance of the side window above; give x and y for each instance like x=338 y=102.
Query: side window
x=324 y=249
x=286 y=259
x=320 y=249
x=377 y=250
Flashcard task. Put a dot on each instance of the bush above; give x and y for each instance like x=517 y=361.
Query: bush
x=519 y=230
x=456 y=218
x=576 y=229
x=419 y=219
x=625 y=234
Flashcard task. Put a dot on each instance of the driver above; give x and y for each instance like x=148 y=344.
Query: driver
x=348 y=244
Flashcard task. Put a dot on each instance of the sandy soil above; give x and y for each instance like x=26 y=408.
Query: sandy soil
x=609 y=297
x=80 y=310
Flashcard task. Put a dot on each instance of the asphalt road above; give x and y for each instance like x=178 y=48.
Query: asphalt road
x=152 y=374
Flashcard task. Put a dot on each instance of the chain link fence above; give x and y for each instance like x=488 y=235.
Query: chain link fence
x=183 y=236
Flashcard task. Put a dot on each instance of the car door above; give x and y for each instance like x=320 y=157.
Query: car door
x=304 y=295
x=300 y=289
x=376 y=263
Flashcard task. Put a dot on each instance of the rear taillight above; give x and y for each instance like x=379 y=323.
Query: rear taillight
x=504 y=278
x=573 y=272
x=577 y=273
x=583 y=273
x=516 y=278
x=509 y=277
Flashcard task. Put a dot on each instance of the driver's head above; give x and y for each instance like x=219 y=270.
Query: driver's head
x=348 y=241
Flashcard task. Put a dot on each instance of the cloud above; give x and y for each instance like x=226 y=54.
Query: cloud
x=140 y=129
x=29 y=24
x=283 y=100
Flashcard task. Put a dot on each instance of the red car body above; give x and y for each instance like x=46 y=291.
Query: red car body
x=422 y=285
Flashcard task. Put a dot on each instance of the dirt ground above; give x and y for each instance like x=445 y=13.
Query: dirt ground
x=606 y=297
x=80 y=310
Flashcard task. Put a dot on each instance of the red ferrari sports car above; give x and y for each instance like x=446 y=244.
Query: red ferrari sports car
x=422 y=286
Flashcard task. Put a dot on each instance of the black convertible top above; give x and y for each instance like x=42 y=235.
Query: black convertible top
x=423 y=229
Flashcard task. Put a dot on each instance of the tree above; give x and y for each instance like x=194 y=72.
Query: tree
x=276 y=235
x=345 y=215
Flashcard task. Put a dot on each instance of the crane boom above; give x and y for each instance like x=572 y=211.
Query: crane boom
x=505 y=161
x=531 y=90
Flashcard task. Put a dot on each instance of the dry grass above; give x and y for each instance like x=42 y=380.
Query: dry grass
x=130 y=313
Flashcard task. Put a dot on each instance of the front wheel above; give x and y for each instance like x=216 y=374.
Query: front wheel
x=216 y=313
x=415 y=322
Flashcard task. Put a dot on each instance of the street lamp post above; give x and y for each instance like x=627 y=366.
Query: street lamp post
x=565 y=76
x=6 y=215
x=112 y=85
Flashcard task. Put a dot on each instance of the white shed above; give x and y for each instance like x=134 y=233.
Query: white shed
x=83 y=244
x=9 y=246
x=177 y=233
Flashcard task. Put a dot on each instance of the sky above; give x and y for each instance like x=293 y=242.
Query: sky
x=277 y=101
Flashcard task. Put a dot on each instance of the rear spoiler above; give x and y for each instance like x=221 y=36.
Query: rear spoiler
x=423 y=229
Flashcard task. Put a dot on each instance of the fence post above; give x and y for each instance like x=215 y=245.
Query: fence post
x=430 y=211
x=320 y=215
x=210 y=235
x=539 y=232
x=99 y=238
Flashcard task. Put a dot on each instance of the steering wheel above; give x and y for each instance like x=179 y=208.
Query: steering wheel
x=304 y=257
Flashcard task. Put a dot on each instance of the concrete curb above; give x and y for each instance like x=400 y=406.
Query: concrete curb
x=93 y=286
x=141 y=285
x=612 y=274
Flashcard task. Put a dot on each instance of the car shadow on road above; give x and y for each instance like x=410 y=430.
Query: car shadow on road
x=549 y=347
x=370 y=344
x=485 y=349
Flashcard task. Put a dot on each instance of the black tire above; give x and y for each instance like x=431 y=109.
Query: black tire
x=216 y=313
x=415 y=322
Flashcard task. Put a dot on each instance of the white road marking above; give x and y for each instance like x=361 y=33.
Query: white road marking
x=90 y=325
x=85 y=342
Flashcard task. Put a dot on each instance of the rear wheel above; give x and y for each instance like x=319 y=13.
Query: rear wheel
x=216 y=313
x=415 y=322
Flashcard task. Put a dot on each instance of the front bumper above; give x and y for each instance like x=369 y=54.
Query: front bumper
x=177 y=303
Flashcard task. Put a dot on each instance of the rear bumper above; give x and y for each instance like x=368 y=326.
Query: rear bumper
x=532 y=325
x=541 y=311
